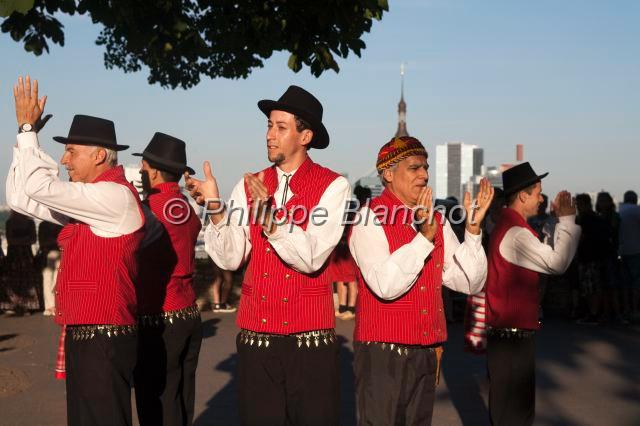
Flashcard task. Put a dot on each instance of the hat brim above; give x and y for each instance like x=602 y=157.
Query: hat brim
x=524 y=184
x=160 y=164
x=320 y=135
x=91 y=142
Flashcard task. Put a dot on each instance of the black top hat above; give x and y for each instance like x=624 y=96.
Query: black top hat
x=519 y=177
x=299 y=102
x=87 y=130
x=167 y=153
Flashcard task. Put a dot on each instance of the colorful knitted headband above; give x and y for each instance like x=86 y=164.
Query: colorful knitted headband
x=396 y=150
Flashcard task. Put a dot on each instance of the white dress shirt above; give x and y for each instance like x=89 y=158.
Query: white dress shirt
x=520 y=247
x=390 y=275
x=34 y=189
x=229 y=244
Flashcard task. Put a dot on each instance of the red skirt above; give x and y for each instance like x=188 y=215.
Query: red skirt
x=342 y=267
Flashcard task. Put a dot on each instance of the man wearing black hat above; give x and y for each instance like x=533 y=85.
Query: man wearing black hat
x=170 y=330
x=516 y=258
x=103 y=226
x=286 y=220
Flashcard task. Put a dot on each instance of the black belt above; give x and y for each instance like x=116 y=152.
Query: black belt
x=310 y=339
x=190 y=312
x=509 y=333
x=88 y=332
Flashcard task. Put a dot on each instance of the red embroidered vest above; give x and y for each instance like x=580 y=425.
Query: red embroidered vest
x=95 y=278
x=166 y=265
x=512 y=291
x=416 y=317
x=276 y=298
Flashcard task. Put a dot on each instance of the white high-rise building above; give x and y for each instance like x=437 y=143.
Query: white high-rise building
x=456 y=163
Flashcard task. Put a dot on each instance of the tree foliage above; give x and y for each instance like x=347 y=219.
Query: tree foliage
x=181 y=40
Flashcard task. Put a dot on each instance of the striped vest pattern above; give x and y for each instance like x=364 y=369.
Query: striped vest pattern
x=276 y=298
x=96 y=274
x=416 y=317
x=166 y=265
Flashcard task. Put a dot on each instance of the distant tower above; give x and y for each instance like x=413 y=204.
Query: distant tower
x=402 y=108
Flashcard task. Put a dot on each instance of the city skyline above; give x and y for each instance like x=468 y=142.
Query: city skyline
x=562 y=79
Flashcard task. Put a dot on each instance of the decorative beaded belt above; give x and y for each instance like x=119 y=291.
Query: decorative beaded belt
x=401 y=349
x=190 y=312
x=310 y=338
x=510 y=332
x=87 y=332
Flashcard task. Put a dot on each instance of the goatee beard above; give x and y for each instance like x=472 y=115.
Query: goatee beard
x=279 y=158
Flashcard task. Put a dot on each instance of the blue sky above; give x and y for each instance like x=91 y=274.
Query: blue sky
x=560 y=77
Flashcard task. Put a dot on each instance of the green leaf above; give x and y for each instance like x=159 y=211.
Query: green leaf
x=7 y=7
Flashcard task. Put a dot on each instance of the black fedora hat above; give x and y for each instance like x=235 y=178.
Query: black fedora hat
x=519 y=177
x=303 y=104
x=167 y=153
x=88 y=130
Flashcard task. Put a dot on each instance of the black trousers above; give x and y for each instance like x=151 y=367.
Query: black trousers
x=99 y=378
x=512 y=392
x=284 y=384
x=392 y=388
x=165 y=375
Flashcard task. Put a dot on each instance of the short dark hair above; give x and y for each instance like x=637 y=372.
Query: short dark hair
x=166 y=175
x=511 y=198
x=630 y=197
x=584 y=200
x=169 y=176
x=301 y=124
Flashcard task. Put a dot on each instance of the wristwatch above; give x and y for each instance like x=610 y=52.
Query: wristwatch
x=26 y=127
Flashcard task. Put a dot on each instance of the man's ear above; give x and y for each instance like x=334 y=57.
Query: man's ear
x=307 y=137
x=100 y=156
x=387 y=175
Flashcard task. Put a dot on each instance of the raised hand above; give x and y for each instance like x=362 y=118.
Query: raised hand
x=564 y=204
x=424 y=214
x=205 y=191
x=29 y=107
x=260 y=201
x=477 y=210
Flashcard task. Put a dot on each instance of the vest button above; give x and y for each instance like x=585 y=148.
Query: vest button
x=286 y=277
x=264 y=320
x=265 y=275
x=59 y=313
x=422 y=288
x=285 y=299
x=285 y=323
x=57 y=293
x=268 y=250
x=264 y=298
x=424 y=311
x=437 y=265
x=425 y=333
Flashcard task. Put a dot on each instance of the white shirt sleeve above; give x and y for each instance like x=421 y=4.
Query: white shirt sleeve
x=388 y=275
x=34 y=188
x=465 y=265
x=520 y=247
x=228 y=243
x=307 y=250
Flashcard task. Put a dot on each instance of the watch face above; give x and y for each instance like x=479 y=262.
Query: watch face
x=27 y=127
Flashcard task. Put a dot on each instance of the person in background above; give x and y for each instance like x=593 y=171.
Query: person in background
x=20 y=286
x=220 y=290
x=592 y=252
x=630 y=250
x=612 y=279
x=49 y=260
